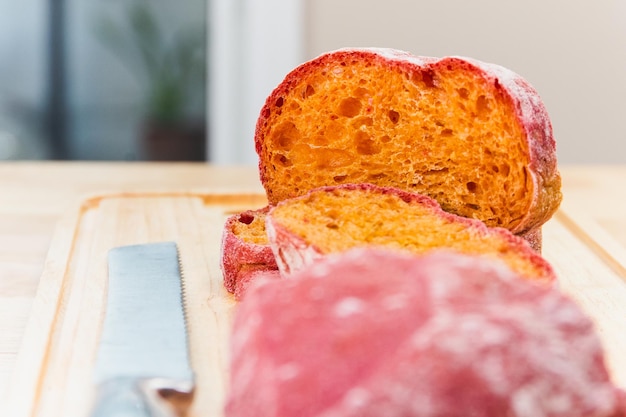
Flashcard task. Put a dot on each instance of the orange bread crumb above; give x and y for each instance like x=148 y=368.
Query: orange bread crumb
x=474 y=136
x=335 y=219
x=245 y=251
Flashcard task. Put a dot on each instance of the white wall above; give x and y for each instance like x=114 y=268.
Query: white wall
x=572 y=51
x=252 y=45
x=22 y=79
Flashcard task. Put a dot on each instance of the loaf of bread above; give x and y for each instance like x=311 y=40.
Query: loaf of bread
x=372 y=333
x=245 y=251
x=474 y=136
x=337 y=218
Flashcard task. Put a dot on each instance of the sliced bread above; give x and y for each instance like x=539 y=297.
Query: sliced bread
x=337 y=218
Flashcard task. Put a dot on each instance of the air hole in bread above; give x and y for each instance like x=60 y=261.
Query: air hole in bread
x=394 y=116
x=349 y=107
x=285 y=136
x=246 y=218
x=436 y=171
x=362 y=121
x=482 y=106
x=333 y=158
x=463 y=93
x=250 y=226
x=279 y=102
x=505 y=169
x=332 y=213
x=386 y=139
x=365 y=145
x=308 y=91
x=340 y=178
x=377 y=176
x=361 y=92
x=471 y=186
x=428 y=78
x=282 y=160
x=446 y=132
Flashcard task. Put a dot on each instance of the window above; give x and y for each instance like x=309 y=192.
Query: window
x=103 y=80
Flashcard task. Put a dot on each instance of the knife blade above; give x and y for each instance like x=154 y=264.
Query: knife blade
x=142 y=365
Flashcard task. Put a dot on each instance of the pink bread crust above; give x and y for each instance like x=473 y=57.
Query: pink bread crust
x=530 y=112
x=534 y=237
x=241 y=260
x=292 y=252
x=346 y=338
x=247 y=279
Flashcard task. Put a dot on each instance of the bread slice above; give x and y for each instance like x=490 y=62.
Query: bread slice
x=337 y=218
x=245 y=251
x=376 y=333
x=474 y=136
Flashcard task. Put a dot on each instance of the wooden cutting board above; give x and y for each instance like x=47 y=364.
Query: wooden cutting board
x=53 y=372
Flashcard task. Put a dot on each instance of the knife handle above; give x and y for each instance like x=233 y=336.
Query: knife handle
x=130 y=397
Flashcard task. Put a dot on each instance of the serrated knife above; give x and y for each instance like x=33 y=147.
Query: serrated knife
x=142 y=365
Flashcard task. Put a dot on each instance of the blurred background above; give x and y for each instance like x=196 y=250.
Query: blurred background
x=163 y=80
x=103 y=80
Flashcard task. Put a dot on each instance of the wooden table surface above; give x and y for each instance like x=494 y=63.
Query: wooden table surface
x=35 y=195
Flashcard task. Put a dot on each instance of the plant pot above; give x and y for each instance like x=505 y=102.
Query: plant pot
x=174 y=142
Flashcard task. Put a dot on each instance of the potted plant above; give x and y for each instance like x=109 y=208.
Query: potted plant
x=172 y=70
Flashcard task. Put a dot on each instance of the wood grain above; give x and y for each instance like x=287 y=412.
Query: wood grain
x=595 y=279
x=53 y=370
x=34 y=197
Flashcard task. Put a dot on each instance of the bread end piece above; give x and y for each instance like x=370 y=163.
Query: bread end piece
x=245 y=251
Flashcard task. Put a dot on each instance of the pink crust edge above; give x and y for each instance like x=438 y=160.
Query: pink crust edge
x=530 y=112
x=292 y=252
x=241 y=260
x=534 y=237
x=295 y=322
x=247 y=280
